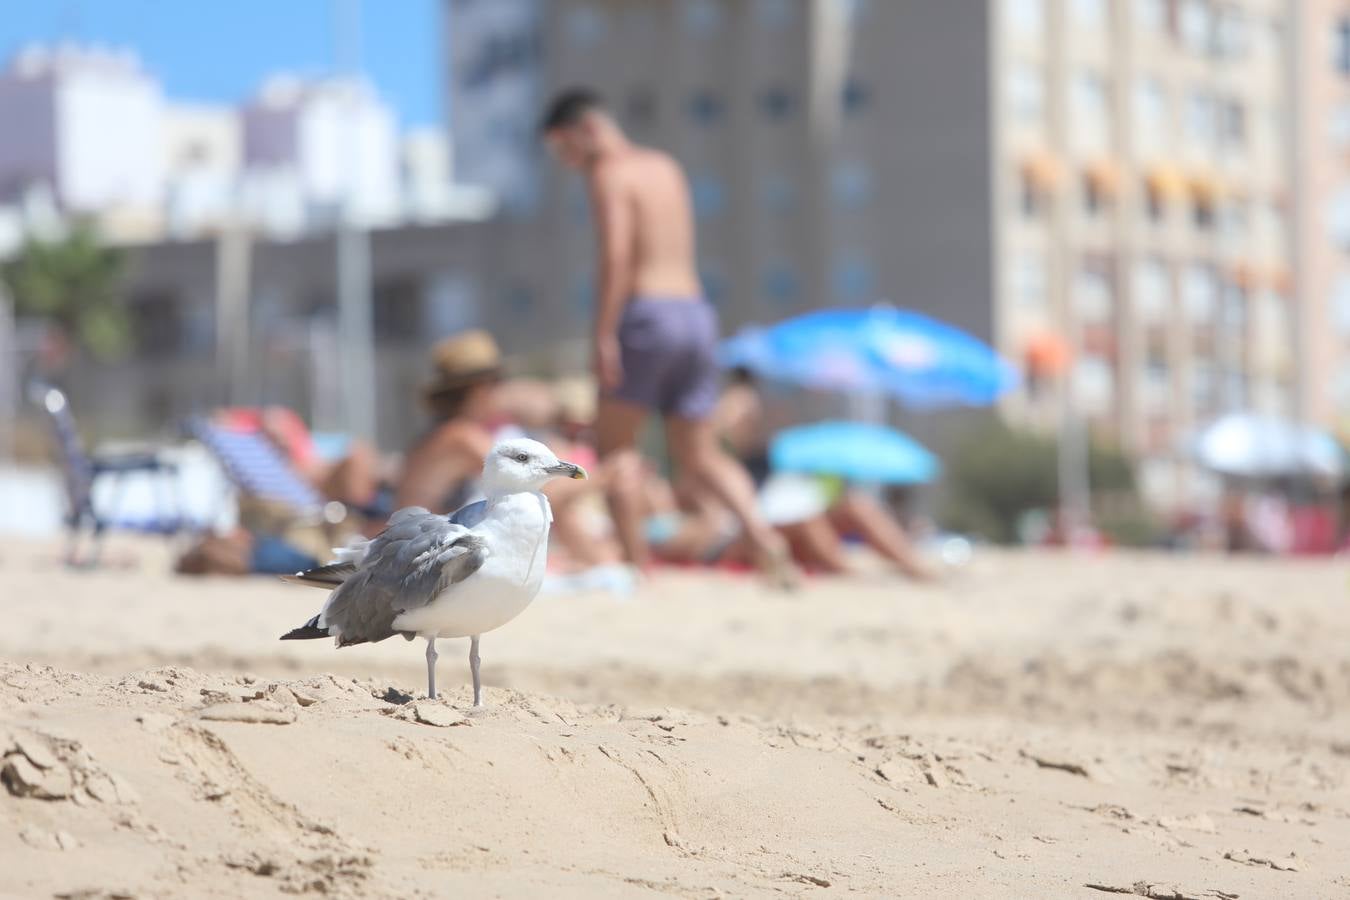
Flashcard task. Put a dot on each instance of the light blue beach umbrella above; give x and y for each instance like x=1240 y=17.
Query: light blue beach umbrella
x=924 y=363
x=854 y=451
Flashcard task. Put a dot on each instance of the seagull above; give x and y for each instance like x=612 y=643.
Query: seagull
x=434 y=576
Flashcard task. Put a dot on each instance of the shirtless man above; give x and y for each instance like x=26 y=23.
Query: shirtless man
x=655 y=334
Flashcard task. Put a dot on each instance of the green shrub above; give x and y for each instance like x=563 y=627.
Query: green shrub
x=996 y=474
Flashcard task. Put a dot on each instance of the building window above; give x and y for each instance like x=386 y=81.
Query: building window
x=1233 y=122
x=398 y=309
x=1231 y=33
x=1196 y=24
x=1340 y=306
x=714 y=283
x=777 y=193
x=1150 y=114
x=702 y=17
x=1026 y=18
x=775 y=13
x=780 y=283
x=1092 y=291
x=1026 y=94
x=1200 y=118
x=575 y=202
x=1340 y=126
x=709 y=195
x=1341 y=46
x=583 y=293
x=1152 y=291
x=640 y=107
x=1341 y=390
x=777 y=103
x=1089 y=14
x=705 y=108
x=1090 y=111
x=856 y=96
x=1204 y=386
x=157 y=321
x=1094 y=198
x=851 y=185
x=1031 y=281
x=1094 y=384
x=1034 y=198
x=1200 y=293
x=1152 y=16
x=1202 y=213
x=854 y=280
x=1155 y=203
x=585 y=26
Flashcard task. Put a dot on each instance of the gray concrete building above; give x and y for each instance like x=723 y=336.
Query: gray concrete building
x=1108 y=182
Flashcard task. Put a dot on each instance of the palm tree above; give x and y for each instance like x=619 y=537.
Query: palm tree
x=73 y=281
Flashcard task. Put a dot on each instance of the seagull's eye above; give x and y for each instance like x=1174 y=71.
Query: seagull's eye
x=522 y=457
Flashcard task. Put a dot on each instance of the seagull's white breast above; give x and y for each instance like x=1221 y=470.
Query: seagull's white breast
x=515 y=528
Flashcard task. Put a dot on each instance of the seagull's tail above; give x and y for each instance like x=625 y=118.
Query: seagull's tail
x=306 y=632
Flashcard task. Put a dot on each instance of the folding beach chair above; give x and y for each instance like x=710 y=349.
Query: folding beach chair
x=259 y=470
x=82 y=471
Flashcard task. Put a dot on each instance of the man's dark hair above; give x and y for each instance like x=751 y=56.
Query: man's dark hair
x=569 y=107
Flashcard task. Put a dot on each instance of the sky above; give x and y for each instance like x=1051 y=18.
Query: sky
x=219 y=50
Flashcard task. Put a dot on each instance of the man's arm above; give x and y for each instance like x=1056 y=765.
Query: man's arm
x=614 y=244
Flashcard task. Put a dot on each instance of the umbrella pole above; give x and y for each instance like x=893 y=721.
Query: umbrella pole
x=1075 y=502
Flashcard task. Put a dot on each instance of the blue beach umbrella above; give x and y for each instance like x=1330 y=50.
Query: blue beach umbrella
x=854 y=451
x=924 y=363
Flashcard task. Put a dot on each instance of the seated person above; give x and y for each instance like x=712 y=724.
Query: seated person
x=817 y=542
x=441 y=468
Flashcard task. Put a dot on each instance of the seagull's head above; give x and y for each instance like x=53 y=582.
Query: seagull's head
x=521 y=464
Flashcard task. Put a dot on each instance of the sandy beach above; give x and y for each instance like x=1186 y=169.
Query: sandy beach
x=1038 y=725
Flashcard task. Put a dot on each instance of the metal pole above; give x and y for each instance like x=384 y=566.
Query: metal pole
x=9 y=377
x=355 y=306
x=234 y=260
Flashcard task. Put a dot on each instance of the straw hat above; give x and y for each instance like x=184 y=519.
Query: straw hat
x=461 y=360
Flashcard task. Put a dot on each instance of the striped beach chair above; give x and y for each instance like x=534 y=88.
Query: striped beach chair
x=258 y=469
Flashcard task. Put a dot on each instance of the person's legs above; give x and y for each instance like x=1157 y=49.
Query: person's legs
x=857 y=513
x=694 y=448
x=816 y=545
x=616 y=433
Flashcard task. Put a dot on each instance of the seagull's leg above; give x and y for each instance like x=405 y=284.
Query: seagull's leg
x=431 y=668
x=473 y=667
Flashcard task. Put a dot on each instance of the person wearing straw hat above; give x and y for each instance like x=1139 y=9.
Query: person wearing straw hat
x=655 y=333
x=440 y=468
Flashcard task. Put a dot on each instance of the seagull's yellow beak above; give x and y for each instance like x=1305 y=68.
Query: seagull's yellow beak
x=568 y=470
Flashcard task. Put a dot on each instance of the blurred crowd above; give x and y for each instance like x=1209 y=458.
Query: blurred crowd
x=470 y=402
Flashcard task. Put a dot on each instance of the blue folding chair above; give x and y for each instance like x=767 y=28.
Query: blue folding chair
x=82 y=471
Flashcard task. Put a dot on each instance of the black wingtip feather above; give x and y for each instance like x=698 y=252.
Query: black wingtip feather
x=306 y=632
x=329 y=576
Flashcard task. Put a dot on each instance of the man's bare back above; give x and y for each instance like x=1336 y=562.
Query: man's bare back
x=652 y=186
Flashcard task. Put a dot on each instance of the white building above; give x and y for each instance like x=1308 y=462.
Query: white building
x=203 y=148
x=335 y=137
x=87 y=123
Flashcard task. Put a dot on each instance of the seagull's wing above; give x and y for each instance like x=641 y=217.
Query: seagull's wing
x=411 y=562
x=329 y=576
x=470 y=514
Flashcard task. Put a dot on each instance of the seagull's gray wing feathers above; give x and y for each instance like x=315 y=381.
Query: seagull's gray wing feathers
x=411 y=562
x=470 y=514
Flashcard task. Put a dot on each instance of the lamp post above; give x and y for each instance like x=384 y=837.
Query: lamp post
x=355 y=306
